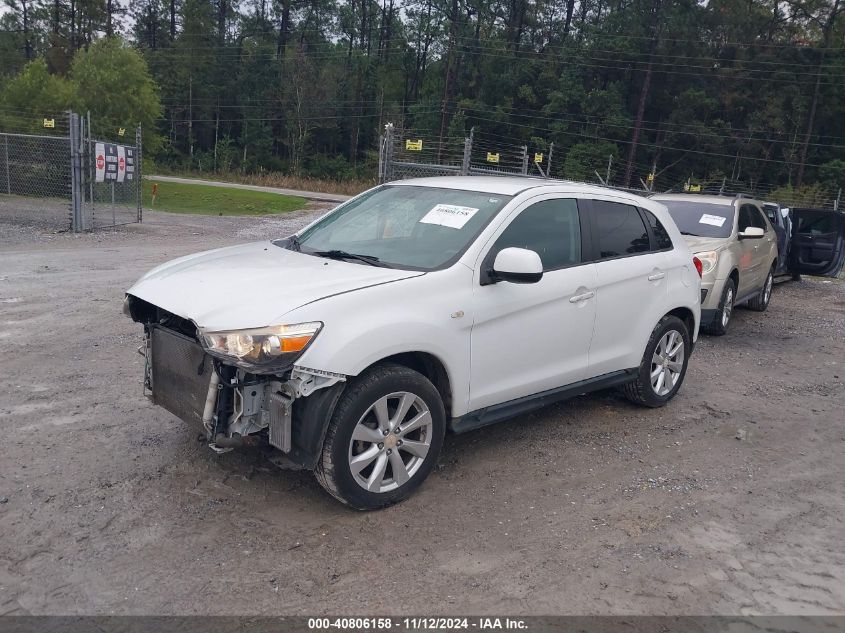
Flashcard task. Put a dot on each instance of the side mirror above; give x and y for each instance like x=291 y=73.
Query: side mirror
x=518 y=266
x=751 y=233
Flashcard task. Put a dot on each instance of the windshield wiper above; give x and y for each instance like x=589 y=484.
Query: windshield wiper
x=372 y=260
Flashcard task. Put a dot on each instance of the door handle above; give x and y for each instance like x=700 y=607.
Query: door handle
x=656 y=276
x=582 y=297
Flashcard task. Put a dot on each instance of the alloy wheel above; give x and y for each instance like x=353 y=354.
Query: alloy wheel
x=728 y=307
x=667 y=362
x=390 y=442
x=767 y=289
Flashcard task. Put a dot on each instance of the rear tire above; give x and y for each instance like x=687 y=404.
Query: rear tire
x=761 y=301
x=383 y=439
x=664 y=364
x=719 y=325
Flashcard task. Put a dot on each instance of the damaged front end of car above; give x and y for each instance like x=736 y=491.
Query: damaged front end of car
x=241 y=387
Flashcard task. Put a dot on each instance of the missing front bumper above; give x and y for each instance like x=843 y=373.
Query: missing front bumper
x=183 y=379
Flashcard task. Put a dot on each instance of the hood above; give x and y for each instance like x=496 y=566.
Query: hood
x=252 y=285
x=698 y=244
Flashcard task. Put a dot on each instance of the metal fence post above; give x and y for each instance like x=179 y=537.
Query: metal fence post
x=139 y=183
x=524 y=160
x=381 y=158
x=388 y=152
x=75 y=174
x=465 y=163
x=549 y=163
x=8 y=176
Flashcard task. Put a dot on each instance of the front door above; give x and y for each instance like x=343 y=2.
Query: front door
x=528 y=338
x=818 y=242
x=750 y=259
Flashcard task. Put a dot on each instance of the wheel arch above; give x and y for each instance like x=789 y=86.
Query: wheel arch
x=313 y=414
x=429 y=366
x=734 y=274
x=687 y=316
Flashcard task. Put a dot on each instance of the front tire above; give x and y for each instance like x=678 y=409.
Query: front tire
x=719 y=325
x=664 y=364
x=383 y=439
x=761 y=301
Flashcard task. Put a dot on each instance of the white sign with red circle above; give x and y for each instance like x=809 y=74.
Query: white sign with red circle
x=100 y=154
x=121 y=163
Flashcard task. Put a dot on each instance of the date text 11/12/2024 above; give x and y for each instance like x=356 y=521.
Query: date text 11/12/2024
x=416 y=624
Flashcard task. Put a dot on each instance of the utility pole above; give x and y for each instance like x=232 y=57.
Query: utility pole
x=638 y=123
x=191 y=115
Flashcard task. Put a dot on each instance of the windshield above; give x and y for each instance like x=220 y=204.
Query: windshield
x=421 y=228
x=701 y=218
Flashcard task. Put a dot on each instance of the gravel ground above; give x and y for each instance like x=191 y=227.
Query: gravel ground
x=109 y=505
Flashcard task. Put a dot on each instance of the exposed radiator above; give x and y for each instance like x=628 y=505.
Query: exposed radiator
x=181 y=372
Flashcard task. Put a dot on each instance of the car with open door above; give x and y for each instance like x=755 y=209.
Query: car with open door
x=778 y=217
x=417 y=307
x=817 y=243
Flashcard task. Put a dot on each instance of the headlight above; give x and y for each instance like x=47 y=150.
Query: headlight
x=709 y=259
x=262 y=350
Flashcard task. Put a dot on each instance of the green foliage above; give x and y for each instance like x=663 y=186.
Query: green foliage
x=832 y=174
x=111 y=80
x=816 y=195
x=32 y=96
x=726 y=87
x=583 y=159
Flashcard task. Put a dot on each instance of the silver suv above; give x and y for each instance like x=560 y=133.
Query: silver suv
x=738 y=250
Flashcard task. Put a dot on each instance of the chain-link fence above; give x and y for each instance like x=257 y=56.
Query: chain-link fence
x=35 y=179
x=112 y=175
x=60 y=181
x=408 y=153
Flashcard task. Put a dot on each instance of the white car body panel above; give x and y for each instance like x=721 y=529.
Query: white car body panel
x=496 y=342
x=430 y=313
x=251 y=285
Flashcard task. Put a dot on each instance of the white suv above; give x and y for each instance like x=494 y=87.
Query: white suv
x=415 y=307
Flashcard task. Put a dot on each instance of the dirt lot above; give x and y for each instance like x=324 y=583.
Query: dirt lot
x=109 y=505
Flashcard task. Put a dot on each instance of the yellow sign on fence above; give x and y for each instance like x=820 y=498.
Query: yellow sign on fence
x=492 y=158
x=413 y=146
x=538 y=158
x=49 y=122
x=121 y=131
x=692 y=188
x=650 y=178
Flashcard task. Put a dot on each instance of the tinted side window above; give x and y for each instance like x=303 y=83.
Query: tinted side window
x=744 y=220
x=619 y=229
x=757 y=218
x=551 y=228
x=818 y=223
x=771 y=212
x=661 y=236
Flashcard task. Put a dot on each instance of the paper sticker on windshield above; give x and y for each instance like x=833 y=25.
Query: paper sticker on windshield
x=713 y=220
x=450 y=215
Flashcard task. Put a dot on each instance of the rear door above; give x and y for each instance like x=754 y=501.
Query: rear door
x=818 y=242
x=631 y=285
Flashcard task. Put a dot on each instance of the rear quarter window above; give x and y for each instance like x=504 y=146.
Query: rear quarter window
x=660 y=236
